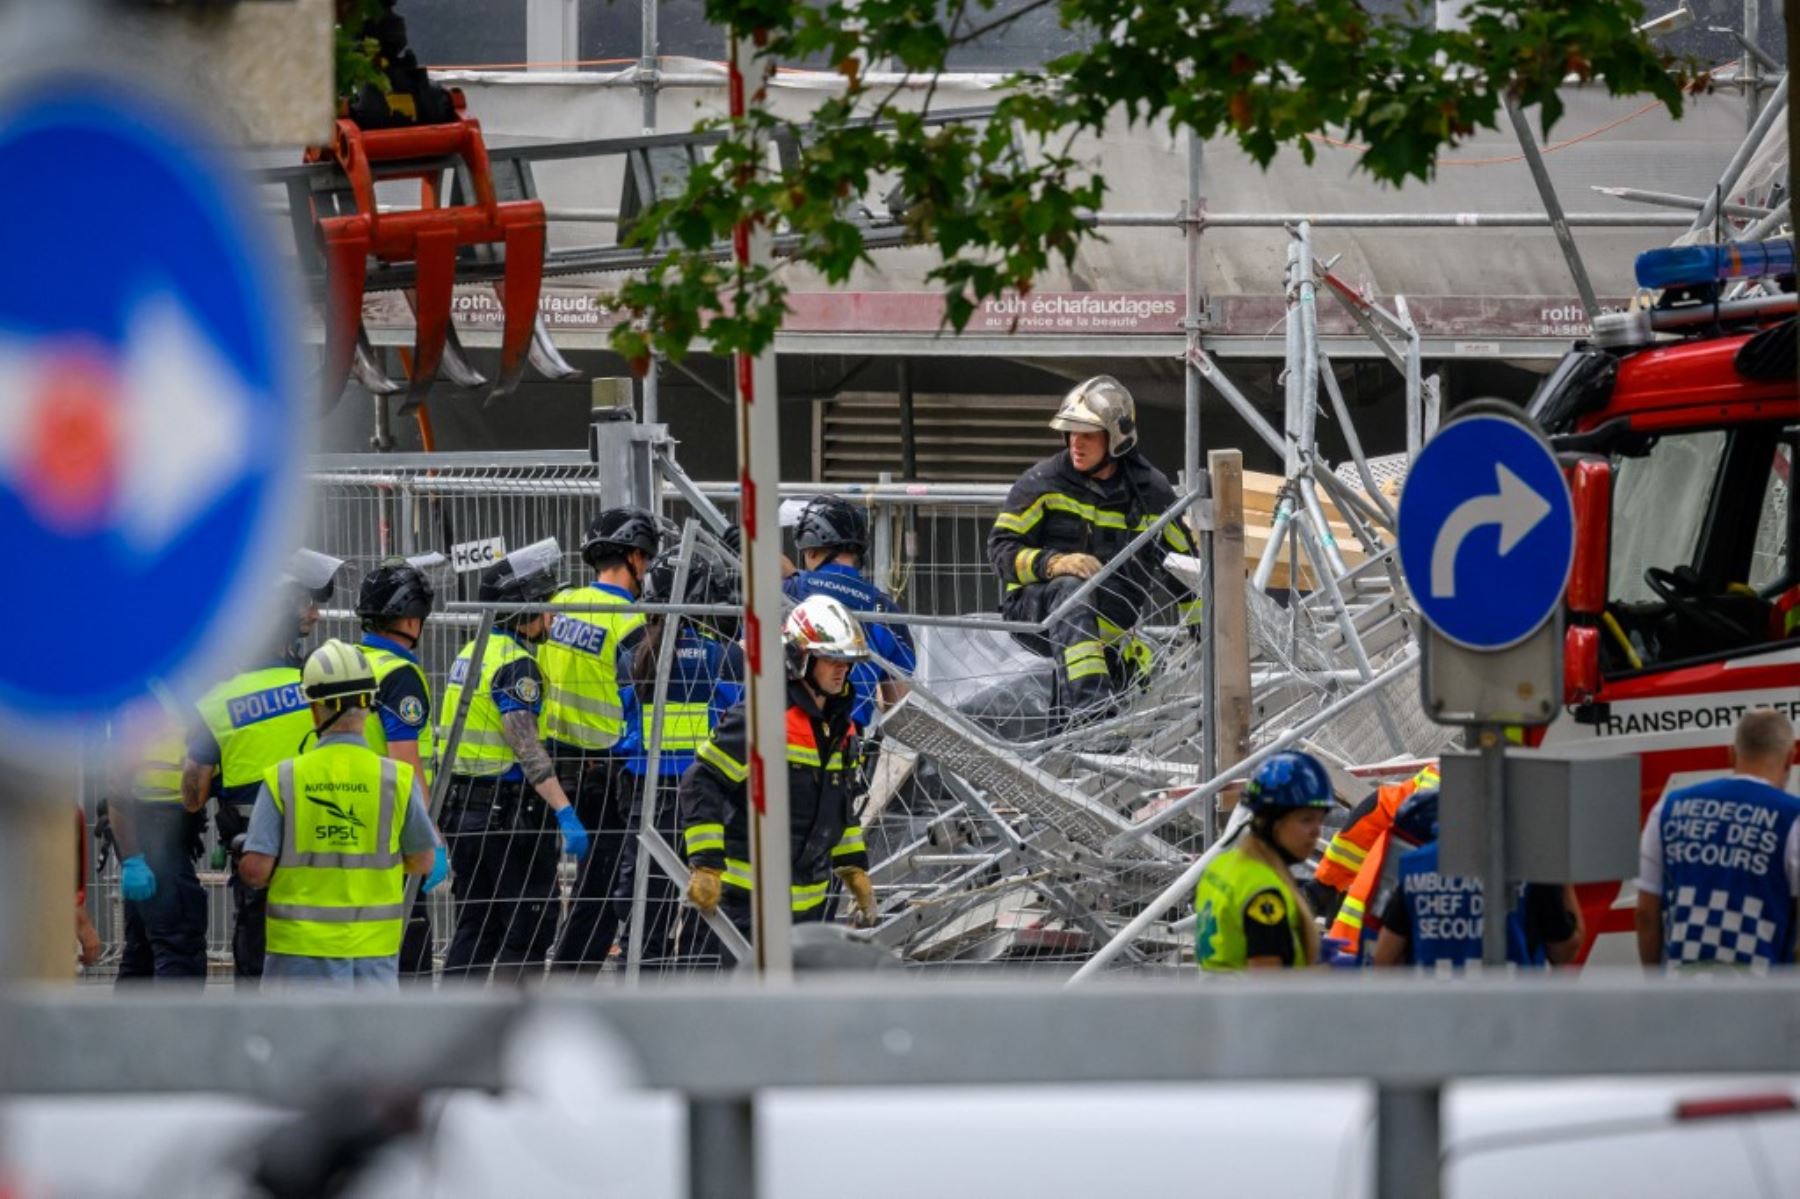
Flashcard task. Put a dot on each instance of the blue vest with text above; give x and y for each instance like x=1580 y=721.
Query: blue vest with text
x=1446 y=911
x=1725 y=892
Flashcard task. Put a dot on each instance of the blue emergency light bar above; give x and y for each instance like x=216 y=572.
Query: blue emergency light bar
x=1690 y=266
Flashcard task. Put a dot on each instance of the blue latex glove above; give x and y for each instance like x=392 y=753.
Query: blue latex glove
x=575 y=838
x=440 y=870
x=1335 y=952
x=137 y=882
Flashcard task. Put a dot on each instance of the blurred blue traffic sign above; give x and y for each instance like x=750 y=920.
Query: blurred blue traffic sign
x=150 y=422
x=1486 y=531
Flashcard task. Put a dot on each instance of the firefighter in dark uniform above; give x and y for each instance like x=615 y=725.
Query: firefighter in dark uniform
x=504 y=795
x=1068 y=516
x=823 y=640
x=250 y=722
x=393 y=604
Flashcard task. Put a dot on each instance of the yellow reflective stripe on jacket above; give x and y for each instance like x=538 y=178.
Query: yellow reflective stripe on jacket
x=1056 y=501
x=1425 y=779
x=702 y=837
x=157 y=777
x=802 y=897
x=1084 y=658
x=1346 y=854
x=733 y=770
x=1025 y=565
x=852 y=842
x=1190 y=611
x=1351 y=913
x=685 y=727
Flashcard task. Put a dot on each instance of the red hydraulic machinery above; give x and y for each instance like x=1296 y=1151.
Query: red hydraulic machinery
x=351 y=230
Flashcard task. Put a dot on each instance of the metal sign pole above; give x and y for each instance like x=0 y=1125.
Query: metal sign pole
x=759 y=466
x=1496 y=892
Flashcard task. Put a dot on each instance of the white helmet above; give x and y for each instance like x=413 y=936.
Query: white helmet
x=336 y=671
x=821 y=627
x=1101 y=405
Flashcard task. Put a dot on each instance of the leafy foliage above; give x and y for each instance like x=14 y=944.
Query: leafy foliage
x=1001 y=201
x=356 y=54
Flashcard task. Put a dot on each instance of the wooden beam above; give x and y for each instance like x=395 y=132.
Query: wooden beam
x=1231 y=617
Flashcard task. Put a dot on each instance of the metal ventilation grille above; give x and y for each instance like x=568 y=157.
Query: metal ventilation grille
x=958 y=439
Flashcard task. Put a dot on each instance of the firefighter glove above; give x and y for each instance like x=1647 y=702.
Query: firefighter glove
x=137 y=882
x=574 y=837
x=1078 y=566
x=440 y=870
x=856 y=881
x=703 y=889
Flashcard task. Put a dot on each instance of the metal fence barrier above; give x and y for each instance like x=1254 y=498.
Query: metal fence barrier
x=720 y=1045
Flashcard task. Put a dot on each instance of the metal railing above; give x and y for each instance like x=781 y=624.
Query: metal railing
x=720 y=1046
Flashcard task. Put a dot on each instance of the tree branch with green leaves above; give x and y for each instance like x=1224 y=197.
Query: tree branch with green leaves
x=1004 y=200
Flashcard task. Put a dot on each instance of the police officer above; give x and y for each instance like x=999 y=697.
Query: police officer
x=822 y=641
x=1719 y=862
x=1248 y=913
x=249 y=723
x=705 y=682
x=156 y=836
x=1435 y=920
x=832 y=536
x=1065 y=518
x=502 y=780
x=584 y=715
x=393 y=604
x=333 y=833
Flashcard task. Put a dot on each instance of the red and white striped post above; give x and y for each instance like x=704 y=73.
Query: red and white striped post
x=759 y=476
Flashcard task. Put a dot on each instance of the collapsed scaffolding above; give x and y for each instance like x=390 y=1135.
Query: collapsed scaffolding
x=994 y=836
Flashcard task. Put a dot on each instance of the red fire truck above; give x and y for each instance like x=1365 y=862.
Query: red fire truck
x=1682 y=606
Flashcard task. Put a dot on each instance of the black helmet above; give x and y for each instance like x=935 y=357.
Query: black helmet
x=618 y=531
x=711 y=578
x=395 y=590
x=525 y=576
x=831 y=522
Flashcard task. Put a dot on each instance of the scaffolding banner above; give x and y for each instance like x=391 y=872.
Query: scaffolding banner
x=1049 y=313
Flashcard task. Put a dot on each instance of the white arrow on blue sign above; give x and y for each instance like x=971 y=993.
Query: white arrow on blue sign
x=150 y=422
x=1487 y=532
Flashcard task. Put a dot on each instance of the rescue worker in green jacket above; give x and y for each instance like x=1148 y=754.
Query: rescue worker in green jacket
x=586 y=660
x=393 y=604
x=1065 y=519
x=504 y=794
x=332 y=836
x=1248 y=913
x=822 y=642
x=248 y=723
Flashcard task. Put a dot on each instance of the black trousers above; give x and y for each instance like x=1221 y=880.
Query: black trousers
x=504 y=854
x=1076 y=642
x=664 y=946
x=600 y=788
x=165 y=935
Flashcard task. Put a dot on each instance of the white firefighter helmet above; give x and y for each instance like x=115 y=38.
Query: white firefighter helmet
x=821 y=627
x=336 y=671
x=1101 y=405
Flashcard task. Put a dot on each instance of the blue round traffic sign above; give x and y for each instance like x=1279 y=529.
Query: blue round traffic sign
x=150 y=422
x=1487 y=532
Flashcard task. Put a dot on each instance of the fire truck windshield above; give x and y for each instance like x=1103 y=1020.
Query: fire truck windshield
x=1702 y=562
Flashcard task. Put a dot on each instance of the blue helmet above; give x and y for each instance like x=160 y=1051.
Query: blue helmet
x=1288 y=781
x=1417 y=819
